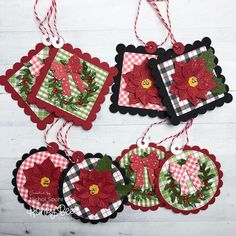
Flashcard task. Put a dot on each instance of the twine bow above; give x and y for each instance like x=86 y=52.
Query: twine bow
x=138 y=164
x=61 y=73
x=187 y=171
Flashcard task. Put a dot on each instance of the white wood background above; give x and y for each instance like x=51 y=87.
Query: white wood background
x=97 y=27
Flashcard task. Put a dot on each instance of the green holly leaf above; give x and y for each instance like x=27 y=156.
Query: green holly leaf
x=20 y=77
x=104 y=164
x=123 y=190
x=181 y=162
x=220 y=88
x=63 y=62
x=209 y=58
x=28 y=64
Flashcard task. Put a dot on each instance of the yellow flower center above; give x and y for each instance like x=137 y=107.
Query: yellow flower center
x=146 y=83
x=93 y=189
x=192 y=81
x=45 y=182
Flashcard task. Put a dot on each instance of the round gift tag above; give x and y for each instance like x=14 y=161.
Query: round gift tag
x=36 y=179
x=190 y=181
x=94 y=189
x=141 y=165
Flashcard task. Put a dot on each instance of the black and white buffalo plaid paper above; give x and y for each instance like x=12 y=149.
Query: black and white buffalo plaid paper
x=163 y=68
x=71 y=175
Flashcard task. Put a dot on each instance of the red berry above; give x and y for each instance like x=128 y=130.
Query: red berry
x=55 y=90
x=150 y=194
x=25 y=81
x=89 y=80
x=134 y=190
x=199 y=196
x=79 y=102
x=65 y=102
x=205 y=181
x=186 y=199
x=88 y=91
x=173 y=186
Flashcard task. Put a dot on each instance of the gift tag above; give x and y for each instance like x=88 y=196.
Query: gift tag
x=19 y=80
x=141 y=165
x=190 y=181
x=94 y=190
x=134 y=89
x=72 y=85
x=36 y=179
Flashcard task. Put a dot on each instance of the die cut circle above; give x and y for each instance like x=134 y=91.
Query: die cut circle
x=176 y=148
x=53 y=148
x=190 y=181
x=31 y=197
x=78 y=157
x=47 y=40
x=142 y=196
x=58 y=42
x=151 y=47
x=68 y=186
x=178 y=48
x=143 y=143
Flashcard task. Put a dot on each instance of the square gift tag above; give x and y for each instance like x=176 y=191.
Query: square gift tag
x=191 y=83
x=134 y=91
x=19 y=80
x=73 y=85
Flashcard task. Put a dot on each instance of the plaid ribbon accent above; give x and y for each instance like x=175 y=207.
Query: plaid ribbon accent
x=167 y=68
x=201 y=158
x=125 y=162
x=42 y=55
x=82 y=112
x=39 y=157
x=185 y=172
x=131 y=59
x=73 y=176
x=36 y=66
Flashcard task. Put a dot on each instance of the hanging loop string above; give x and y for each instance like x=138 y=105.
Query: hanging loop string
x=168 y=25
x=48 y=130
x=52 y=13
x=136 y=22
x=42 y=27
x=172 y=137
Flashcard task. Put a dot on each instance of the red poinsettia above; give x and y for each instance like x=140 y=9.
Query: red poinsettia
x=140 y=85
x=42 y=182
x=95 y=190
x=192 y=81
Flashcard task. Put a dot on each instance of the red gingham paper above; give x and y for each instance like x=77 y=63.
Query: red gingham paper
x=131 y=59
x=39 y=157
x=36 y=66
x=188 y=170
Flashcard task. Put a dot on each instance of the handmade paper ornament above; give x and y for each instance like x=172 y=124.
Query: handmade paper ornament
x=134 y=89
x=94 y=189
x=189 y=79
x=72 y=85
x=190 y=181
x=19 y=80
x=141 y=165
x=185 y=179
x=36 y=179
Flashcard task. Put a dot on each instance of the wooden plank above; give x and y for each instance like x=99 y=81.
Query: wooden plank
x=118 y=229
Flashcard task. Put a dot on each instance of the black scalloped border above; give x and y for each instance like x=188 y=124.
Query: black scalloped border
x=169 y=54
x=15 y=189
x=63 y=175
x=115 y=107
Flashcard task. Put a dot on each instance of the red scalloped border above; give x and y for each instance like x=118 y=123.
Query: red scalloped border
x=86 y=124
x=41 y=124
x=124 y=152
x=217 y=193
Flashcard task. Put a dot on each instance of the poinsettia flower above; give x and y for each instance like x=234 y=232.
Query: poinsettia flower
x=192 y=81
x=42 y=182
x=95 y=190
x=140 y=85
